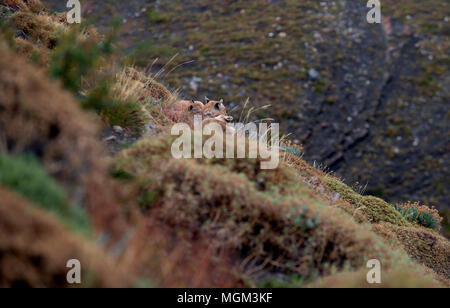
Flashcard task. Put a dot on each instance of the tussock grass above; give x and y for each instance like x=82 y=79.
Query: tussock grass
x=34 y=6
x=35 y=53
x=41 y=28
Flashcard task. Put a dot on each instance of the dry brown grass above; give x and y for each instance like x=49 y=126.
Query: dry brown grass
x=34 y=6
x=38 y=117
x=41 y=28
x=177 y=262
x=35 y=53
x=147 y=87
x=35 y=248
x=315 y=179
x=265 y=229
x=423 y=245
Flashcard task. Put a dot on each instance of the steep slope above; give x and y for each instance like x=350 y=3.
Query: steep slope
x=376 y=93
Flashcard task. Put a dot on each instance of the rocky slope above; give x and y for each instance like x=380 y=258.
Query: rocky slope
x=378 y=94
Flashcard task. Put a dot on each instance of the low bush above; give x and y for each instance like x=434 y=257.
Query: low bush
x=420 y=214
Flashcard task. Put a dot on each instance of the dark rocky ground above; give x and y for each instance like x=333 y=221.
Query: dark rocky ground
x=370 y=102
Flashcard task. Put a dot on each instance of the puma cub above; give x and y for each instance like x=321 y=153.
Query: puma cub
x=184 y=111
x=215 y=111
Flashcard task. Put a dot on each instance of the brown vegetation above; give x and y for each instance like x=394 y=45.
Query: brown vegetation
x=35 y=248
x=38 y=117
x=221 y=201
x=183 y=223
x=33 y=5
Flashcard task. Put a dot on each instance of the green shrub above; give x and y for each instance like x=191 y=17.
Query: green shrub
x=76 y=55
x=26 y=176
x=125 y=113
x=76 y=61
x=420 y=214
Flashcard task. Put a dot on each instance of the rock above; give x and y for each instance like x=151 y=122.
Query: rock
x=194 y=83
x=151 y=129
x=117 y=129
x=313 y=74
x=110 y=138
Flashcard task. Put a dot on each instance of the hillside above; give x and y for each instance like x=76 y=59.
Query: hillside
x=377 y=94
x=86 y=166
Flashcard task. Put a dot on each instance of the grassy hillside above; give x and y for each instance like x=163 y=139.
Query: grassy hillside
x=376 y=93
x=91 y=136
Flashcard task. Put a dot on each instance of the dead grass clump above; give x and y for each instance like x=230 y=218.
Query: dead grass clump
x=148 y=87
x=126 y=99
x=35 y=248
x=38 y=117
x=34 y=6
x=35 y=53
x=152 y=95
x=166 y=261
x=39 y=27
x=150 y=152
x=423 y=245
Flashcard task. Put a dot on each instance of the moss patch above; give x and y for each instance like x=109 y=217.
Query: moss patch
x=375 y=209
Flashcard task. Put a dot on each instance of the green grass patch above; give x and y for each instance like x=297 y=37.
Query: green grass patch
x=26 y=176
x=156 y=17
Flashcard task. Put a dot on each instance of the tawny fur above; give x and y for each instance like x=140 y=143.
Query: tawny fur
x=213 y=109
x=184 y=111
x=223 y=121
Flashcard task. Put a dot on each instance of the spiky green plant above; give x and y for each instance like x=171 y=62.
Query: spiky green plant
x=76 y=55
x=417 y=214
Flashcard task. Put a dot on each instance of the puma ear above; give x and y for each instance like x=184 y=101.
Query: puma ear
x=207 y=100
x=191 y=107
x=217 y=106
x=221 y=100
